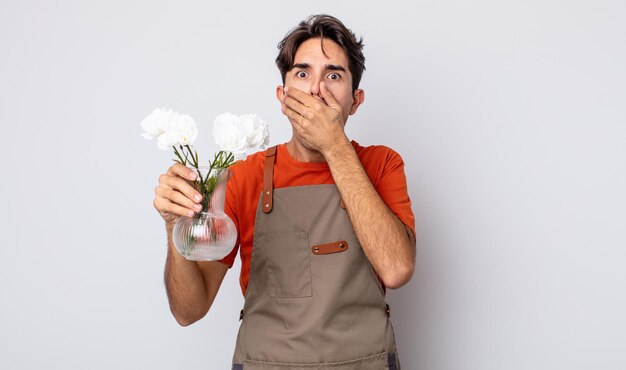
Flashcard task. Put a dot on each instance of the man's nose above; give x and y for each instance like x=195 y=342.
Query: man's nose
x=314 y=89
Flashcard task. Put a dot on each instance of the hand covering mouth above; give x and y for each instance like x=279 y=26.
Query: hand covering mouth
x=319 y=97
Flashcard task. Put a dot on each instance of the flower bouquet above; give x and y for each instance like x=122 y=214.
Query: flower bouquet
x=210 y=234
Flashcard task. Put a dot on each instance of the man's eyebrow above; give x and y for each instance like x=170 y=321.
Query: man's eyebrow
x=330 y=67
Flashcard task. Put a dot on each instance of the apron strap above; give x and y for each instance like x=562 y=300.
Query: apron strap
x=268 y=179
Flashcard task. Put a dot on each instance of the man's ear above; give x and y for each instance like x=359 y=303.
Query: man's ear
x=280 y=93
x=359 y=98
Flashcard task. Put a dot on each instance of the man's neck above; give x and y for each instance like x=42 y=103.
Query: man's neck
x=302 y=154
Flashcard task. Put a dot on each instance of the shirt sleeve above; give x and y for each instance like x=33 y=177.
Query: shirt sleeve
x=392 y=188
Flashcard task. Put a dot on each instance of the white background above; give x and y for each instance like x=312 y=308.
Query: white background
x=510 y=116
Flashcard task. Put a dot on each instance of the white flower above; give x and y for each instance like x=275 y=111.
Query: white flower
x=170 y=128
x=240 y=135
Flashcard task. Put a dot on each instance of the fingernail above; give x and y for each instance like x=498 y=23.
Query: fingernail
x=192 y=175
x=198 y=197
x=197 y=207
x=189 y=213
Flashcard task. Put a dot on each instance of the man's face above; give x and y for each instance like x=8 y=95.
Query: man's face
x=312 y=66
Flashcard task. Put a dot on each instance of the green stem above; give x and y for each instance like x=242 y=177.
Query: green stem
x=185 y=153
x=221 y=160
x=182 y=161
x=194 y=158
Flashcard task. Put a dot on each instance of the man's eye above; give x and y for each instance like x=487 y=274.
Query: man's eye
x=334 y=76
x=301 y=74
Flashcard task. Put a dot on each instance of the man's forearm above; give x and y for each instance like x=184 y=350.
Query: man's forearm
x=186 y=289
x=384 y=238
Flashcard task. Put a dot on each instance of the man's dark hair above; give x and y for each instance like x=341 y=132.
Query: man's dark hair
x=325 y=27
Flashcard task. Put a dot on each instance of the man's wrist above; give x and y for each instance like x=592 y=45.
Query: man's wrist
x=338 y=149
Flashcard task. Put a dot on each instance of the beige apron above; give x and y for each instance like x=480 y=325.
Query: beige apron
x=313 y=300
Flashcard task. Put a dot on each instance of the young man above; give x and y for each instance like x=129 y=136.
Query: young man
x=324 y=224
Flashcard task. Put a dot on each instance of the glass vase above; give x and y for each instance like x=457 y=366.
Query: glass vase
x=210 y=234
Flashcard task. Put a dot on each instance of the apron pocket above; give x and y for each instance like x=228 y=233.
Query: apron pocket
x=288 y=263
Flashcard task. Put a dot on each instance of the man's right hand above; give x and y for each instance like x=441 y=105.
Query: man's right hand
x=191 y=286
x=175 y=196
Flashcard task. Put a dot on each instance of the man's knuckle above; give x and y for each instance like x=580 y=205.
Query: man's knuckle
x=182 y=183
x=170 y=207
x=159 y=190
x=170 y=194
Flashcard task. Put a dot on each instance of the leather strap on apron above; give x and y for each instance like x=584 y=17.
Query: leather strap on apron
x=313 y=300
x=268 y=180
